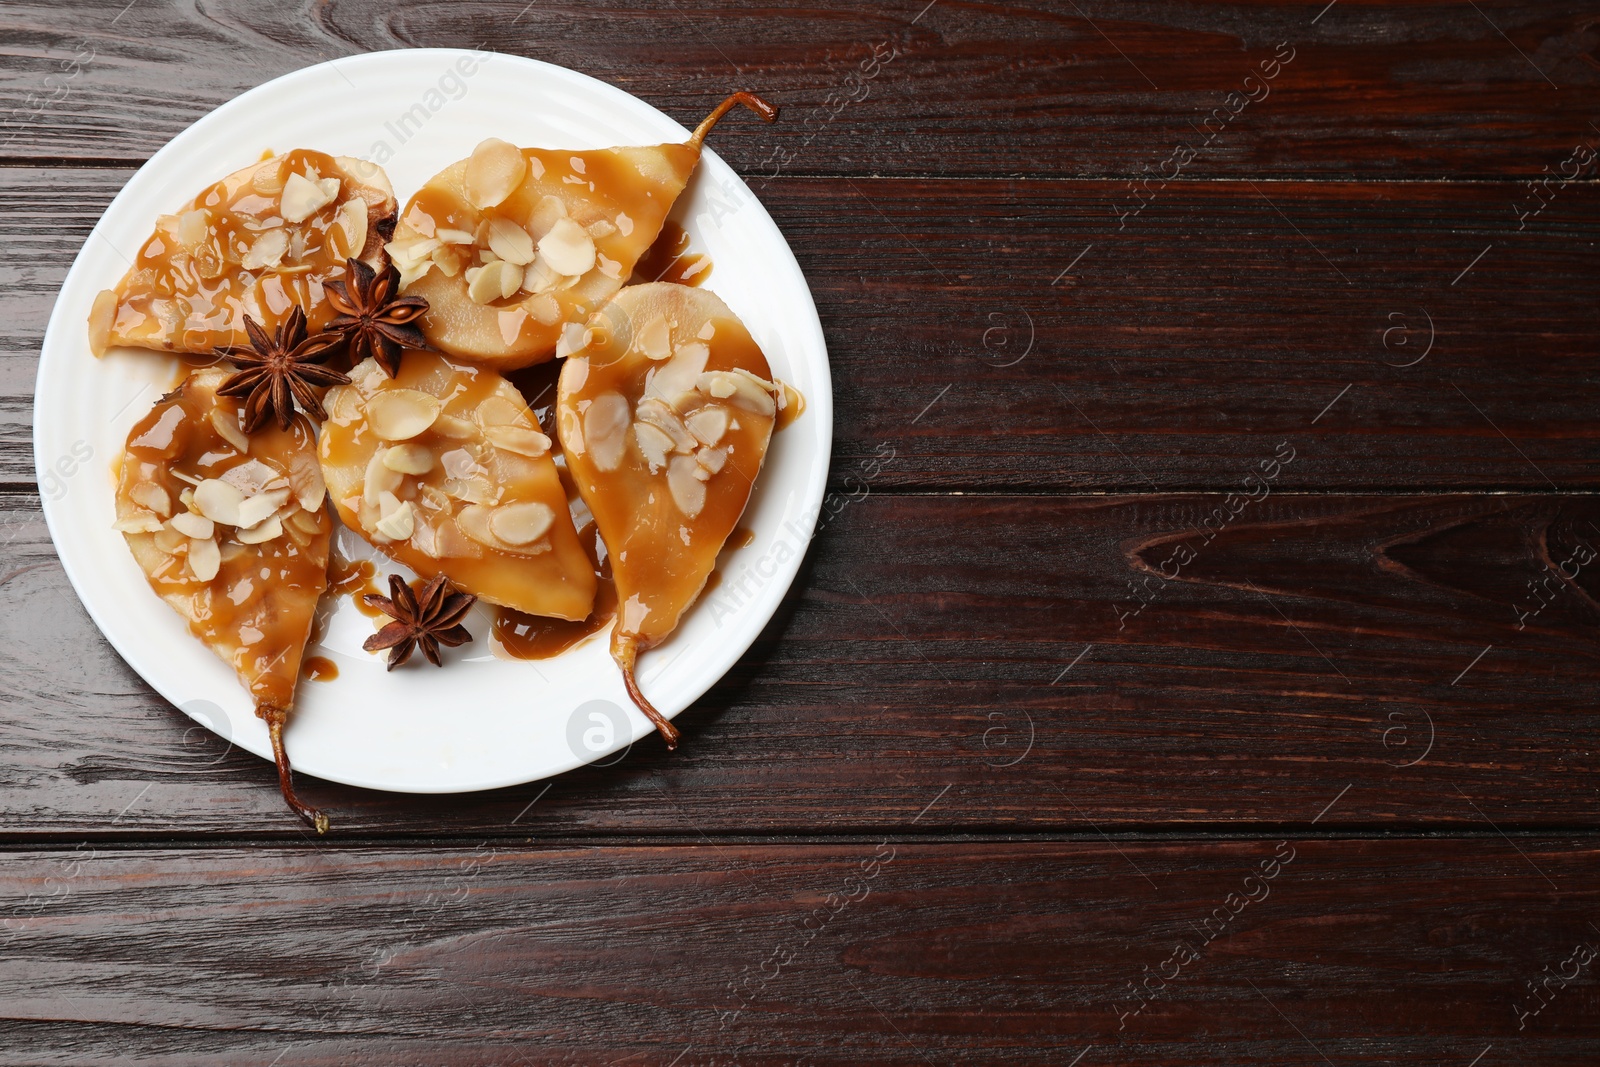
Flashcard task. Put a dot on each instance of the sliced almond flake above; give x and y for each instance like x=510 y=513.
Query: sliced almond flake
x=139 y=522
x=257 y=508
x=169 y=540
x=658 y=414
x=380 y=478
x=401 y=414
x=397 y=523
x=307 y=522
x=741 y=389
x=408 y=458
x=267 y=251
x=303 y=198
x=205 y=559
x=568 y=248
x=538 y=278
x=193 y=228
x=518 y=439
x=688 y=492
x=252 y=476
x=450 y=260
x=353 y=221
x=624 y=224
x=707 y=332
x=494 y=170
x=521 y=523
x=601 y=228
x=712 y=459
x=305 y=480
x=453 y=428
x=654 y=339
x=708 y=424
x=218 y=501
x=412 y=253
x=510 y=242
x=499 y=410
x=653 y=445
x=545 y=214
x=605 y=424
x=676 y=375
x=472 y=490
x=226 y=423
x=268 y=178
x=191 y=525
x=153 y=497
x=474 y=522
x=454 y=237
x=267 y=529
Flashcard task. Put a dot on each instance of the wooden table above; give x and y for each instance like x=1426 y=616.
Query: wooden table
x=1198 y=666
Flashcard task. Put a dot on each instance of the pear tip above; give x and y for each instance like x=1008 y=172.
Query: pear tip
x=312 y=817
x=768 y=113
x=625 y=650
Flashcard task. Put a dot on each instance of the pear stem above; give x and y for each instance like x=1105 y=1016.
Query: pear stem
x=625 y=650
x=767 y=112
x=276 y=718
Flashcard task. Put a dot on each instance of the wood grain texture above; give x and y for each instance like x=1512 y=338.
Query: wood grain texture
x=1180 y=348
x=1023 y=657
x=1421 y=90
x=878 y=951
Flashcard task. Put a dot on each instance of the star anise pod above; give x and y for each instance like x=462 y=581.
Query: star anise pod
x=281 y=371
x=374 y=318
x=423 y=618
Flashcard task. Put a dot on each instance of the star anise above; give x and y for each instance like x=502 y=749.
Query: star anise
x=374 y=318
x=281 y=371
x=423 y=618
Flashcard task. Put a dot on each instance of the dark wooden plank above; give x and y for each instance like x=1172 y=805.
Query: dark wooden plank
x=956 y=89
x=874 y=951
x=1023 y=658
x=1177 y=352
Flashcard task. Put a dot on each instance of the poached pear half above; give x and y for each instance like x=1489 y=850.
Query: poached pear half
x=664 y=414
x=512 y=245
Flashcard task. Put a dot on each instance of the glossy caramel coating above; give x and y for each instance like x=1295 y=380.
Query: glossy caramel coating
x=211 y=263
x=454 y=491
x=665 y=416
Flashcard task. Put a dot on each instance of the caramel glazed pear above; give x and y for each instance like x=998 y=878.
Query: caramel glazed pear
x=664 y=411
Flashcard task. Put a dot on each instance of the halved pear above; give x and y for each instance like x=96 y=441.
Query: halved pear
x=445 y=469
x=511 y=245
x=230 y=530
x=664 y=414
x=259 y=242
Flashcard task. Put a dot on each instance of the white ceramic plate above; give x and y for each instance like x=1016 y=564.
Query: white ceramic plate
x=482 y=722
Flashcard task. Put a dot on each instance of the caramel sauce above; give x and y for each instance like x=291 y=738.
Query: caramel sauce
x=661 y=556
x=469 y=480
x=537 y=384
x=740 y=537
x=669 y=260
x=319 y=669
x=258 y=610
x=188 y=288
x=713 y=580
x=519 y=636
x=794 y=406
x=355 y=580
x=619 y=195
